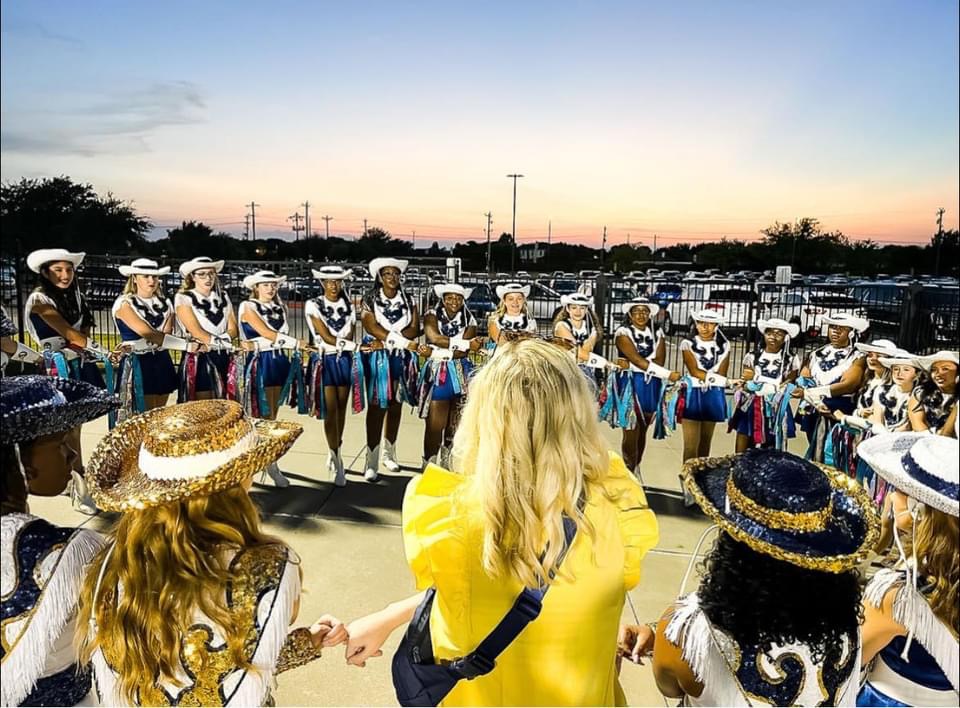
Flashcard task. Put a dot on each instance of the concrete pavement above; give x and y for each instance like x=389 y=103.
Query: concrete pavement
x=350 y=544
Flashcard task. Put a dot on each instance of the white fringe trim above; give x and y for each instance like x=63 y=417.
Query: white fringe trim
x=255 y=686
x=913 y=612
x=23 y=666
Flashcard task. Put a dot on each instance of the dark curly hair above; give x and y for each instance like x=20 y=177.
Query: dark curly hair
x=759 y=600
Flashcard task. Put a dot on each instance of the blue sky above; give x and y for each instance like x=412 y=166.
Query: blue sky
x=690 y=120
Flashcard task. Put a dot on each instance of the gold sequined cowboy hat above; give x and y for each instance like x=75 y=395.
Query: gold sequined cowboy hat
x=188 y=450
x=783 y=506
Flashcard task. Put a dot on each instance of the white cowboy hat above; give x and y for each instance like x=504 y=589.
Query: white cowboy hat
x=705 y=315
x=576 y=299
x=930 y=359
x=143 y=266
x=263 y=276
x=880 y=346
x=331 y=272
x=920 y=465
x=653 y=307
x=456 y=289
x=197 y=263
x=845 y=319
x=508 y=288
x=791 y=328
x=901 y=358
x=51 y=255
x=378 y=264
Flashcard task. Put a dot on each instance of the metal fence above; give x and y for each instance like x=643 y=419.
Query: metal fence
x=919 y=318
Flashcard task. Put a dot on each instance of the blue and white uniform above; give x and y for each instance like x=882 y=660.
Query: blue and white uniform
x=213 y=314
x=517 y=323
x=768 y=368
x=455 y=328
x=43 y=568
x=925 y=674
x=704 y=402
x=827 y=366
x=48 y=338
x=273 y=363
x=340 y=319
x=388 y=365
x=646 y=388
x=156 y=367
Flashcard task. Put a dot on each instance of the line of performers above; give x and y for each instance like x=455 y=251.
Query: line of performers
x=842 y=392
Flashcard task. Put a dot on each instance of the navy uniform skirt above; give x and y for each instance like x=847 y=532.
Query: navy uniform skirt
x=646 y=392
x=707 y=405
x=444 y=391
x=337 y=369
x=157 y=371
x=220 y=360
x=274 y=365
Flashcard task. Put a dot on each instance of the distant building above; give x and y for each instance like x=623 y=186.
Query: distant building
x=532 y=252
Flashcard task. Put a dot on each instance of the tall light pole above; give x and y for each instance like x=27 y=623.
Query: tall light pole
x=327 y=219
x=489 y=224
x=513 y=229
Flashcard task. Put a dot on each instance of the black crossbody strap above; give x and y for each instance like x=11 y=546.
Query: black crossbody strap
x=525 y=609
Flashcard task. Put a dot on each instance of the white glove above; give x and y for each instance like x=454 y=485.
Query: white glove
x=396 y=340
x=346 y=345
x=25 y=353
x=816 y=394
x=284 y=341
x=878 y=429
x=459 y=345
x=141 y=346
x=176 y=343
x=767 y=389
x=221 y=342
x=93 y=347
x=714 y=379
x=657 y=371
x=595 y=361
x=439 y=354
x=855 y=421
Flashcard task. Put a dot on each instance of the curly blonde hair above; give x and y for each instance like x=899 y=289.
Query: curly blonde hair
x=530 y=441
x=170 y=561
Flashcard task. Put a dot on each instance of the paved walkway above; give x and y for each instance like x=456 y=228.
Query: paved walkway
x=350 y=544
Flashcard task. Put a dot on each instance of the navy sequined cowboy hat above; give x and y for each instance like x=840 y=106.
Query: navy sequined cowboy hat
x=31 y=406
x=786 y=507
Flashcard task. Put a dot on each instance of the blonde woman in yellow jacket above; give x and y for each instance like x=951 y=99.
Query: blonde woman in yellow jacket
x=528 y=452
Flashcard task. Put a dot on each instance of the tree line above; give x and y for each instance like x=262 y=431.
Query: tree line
x=58 y=212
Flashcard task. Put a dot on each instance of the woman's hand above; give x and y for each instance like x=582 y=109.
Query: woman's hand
x=424 y=349
x=675 y=376
x=838 y=416
x=476 y=343
x=328 y=631
x=365 y=637
x=634 y=642
x=374 y=346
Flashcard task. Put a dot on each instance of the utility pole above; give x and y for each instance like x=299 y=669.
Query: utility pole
x=414 y=240
x=297 y=228
x=489 y=216
x=936 y=267
x=364 y=227
x=246 y=227
x=653 y=255
x=603 y=247
x=549 y=236
x=328 y=219
x=628 y=239
x=306 y=217
x=513 y=230
x=253 y=217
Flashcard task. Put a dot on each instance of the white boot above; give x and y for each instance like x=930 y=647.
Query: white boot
x=371 y=468
x=273 y=469
x=445 y=458
x=82 y=501
x=433 y=460
x=390 y=456
x=339 y=474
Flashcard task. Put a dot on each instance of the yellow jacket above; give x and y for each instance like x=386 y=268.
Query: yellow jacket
x=567 y=655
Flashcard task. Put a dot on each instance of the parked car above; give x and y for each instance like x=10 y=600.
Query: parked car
x=883 y=303
x=542 y=304
x=938 y=318
x=812 y=307
x=738 y=307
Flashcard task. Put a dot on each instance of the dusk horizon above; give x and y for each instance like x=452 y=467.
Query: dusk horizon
x=693 y=123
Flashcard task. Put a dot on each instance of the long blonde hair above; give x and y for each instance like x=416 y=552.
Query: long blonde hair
x=530 y=441
x=936 y=539
x=169 y=561
x=130 y=287
x=502 y=309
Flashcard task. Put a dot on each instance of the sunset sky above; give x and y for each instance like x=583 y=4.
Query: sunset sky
x=689 y=120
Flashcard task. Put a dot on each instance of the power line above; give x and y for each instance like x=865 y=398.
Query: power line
x=297 y=228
